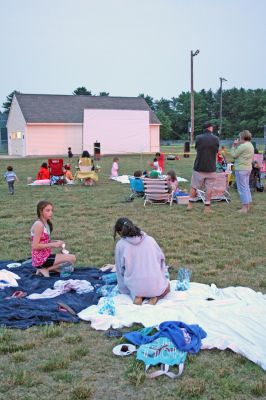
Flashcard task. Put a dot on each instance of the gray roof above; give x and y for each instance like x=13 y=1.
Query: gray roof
x=70 y=108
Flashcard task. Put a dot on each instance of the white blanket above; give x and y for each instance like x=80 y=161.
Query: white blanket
x=235 y=319
x=125 y=179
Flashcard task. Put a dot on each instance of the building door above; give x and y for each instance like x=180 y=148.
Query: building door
x=17 y=144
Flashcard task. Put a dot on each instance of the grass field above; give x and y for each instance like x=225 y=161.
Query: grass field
x=75 y=362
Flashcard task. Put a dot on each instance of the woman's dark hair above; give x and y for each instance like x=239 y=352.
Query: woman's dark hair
x=85 y=154
x=137 y=174
x=126 y=228
x=40 y=206
x=44 y=165
x=172 y=174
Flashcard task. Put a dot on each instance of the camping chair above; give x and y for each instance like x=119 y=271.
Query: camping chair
x=156 y=191
x=55 y=166
x=219 y=192
x=85 y=171
x=85 y=164
x=136 y=186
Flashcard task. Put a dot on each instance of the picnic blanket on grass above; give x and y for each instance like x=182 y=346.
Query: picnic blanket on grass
x=125 y=178
x=23 y=312
x=233 y=317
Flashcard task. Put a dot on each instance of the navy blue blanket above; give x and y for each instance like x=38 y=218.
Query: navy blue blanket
x=23 y=313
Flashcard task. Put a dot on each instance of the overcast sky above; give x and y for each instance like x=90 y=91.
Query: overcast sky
x=127 y=47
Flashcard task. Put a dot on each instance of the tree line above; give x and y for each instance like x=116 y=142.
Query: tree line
x=242 y=109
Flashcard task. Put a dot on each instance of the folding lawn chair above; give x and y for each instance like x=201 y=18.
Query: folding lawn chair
x=219 y=192
x=85 y=172
x=55 y=166
x=136 y=186
x=156 y=191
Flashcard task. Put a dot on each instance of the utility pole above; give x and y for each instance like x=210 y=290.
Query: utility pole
x=221 y=105
x=192 y=124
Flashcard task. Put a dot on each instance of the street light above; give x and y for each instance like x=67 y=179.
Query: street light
x=192 y=54
x=221 y=105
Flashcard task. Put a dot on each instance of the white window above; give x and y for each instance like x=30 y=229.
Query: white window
x=16 y=135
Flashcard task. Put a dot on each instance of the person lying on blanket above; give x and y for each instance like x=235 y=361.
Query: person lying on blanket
x=41 y=244
x=140 y=264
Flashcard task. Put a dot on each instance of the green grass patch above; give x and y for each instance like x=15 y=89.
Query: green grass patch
x=54 y=363
x=14 y=347
x=18 y=357
x=81 y=393
x=135 y=372
x=52 y=331
x=73 y=339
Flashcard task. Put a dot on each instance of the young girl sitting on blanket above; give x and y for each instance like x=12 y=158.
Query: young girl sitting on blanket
x=41 y=244
x=140 y=264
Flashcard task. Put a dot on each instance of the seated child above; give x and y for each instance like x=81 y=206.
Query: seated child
x=136 y=185
x=153 y=175
x=220 y=162
x=172 y=180
x=140 y=264
x=43 y=172
x=68 y=174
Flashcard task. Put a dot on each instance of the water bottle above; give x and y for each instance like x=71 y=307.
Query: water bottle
x=66 y=270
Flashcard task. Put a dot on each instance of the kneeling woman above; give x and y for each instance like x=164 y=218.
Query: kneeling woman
x=140 y=264
x=42 y=257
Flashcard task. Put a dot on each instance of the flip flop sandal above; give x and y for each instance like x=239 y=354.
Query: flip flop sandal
x=113 y=333
x=65 y=307
x=19 y=294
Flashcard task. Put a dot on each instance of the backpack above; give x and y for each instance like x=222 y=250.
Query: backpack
x=161 y=351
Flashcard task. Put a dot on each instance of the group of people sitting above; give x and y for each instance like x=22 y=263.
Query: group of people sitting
x=44 y=175
x=137 y=182
x=86 y=172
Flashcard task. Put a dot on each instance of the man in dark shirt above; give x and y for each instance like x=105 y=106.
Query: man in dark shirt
x=204 y=173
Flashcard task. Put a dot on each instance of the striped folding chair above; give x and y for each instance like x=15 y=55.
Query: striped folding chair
x=156 y=191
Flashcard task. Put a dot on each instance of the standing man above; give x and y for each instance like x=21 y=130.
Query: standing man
x=204 y=173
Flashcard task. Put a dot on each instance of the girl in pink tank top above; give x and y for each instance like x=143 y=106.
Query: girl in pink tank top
x=41 y=244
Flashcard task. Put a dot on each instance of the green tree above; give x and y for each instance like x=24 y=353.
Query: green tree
x=82 y=91
x=103 y=94
x=149 y=100
x=166 y=129
x=181 y=115
x=7 y=104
